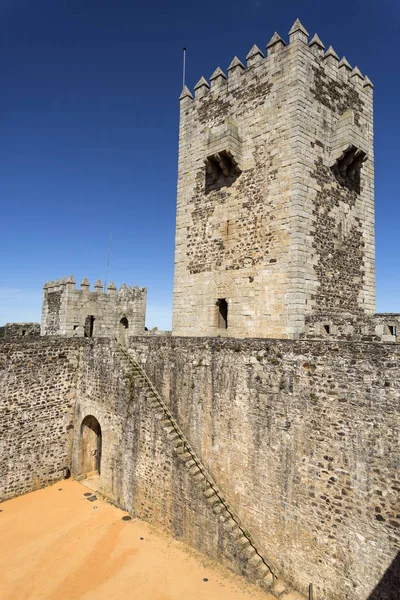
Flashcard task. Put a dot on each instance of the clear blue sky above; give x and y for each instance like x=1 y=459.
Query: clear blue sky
x=89 y=125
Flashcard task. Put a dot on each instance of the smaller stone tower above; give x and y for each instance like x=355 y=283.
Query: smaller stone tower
x=69 y=312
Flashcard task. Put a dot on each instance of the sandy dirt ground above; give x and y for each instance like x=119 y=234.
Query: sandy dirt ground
x=55 y=543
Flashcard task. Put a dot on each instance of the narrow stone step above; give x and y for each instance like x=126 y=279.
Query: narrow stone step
x=243 y=542
x=224 y=516
x=249 y=552
x=255 y=560
x=177 y=442
x=236 y=533
x=267 y=581
x=213 y=500
x=187 y=458
x=230 y=524
x=209 y=492
x=173 y=435
x=263 y=570
x=199 y=477
x=220 y=509
x=190 y=463
x=169 y=428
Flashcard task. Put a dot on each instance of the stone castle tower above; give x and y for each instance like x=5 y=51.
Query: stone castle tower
x=275 y=209
x=70 y=312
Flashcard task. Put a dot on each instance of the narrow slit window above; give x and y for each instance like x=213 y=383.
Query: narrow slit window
x=89 y=326
x=222 y=313
x=327 y=329
x=392 y=329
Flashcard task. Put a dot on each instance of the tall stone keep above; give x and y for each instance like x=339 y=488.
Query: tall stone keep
x=275 y=209
x=69 y=312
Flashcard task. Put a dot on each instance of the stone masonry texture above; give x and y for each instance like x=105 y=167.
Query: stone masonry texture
x=68 y=311
x=13 y=330
x=289 y=234
x=301 y=436
x=37 y=392
x=279 y=374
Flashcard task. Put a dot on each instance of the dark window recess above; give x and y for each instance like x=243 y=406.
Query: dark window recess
x=124 y=323
x=23 y=332
x=392 y=329
x=347 y=168
x=89 y=326
x=221 y=170
x=76 y=327
x=222 y=313
x=327 y=329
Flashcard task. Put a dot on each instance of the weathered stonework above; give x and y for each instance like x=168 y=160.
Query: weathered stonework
x=301 y=436
x=366 y=328
x=288 y=233
x=37 y=393
x=15 y=330
x=81 y=313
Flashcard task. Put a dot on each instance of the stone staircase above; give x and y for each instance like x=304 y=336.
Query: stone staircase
x=259 y=567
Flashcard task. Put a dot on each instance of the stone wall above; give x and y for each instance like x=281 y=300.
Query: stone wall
x=301 y=437
x=383 y=327
x=139 y=470
x=13 y=330
x=37 y=392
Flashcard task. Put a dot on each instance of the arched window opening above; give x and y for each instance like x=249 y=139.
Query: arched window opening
x=123 y=330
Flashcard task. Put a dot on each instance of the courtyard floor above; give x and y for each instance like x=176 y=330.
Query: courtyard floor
x=57 y=544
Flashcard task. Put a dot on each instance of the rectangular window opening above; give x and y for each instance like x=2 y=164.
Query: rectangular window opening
x=89 y=326
x=327 y=329
x=392 y=329
x=222 y=313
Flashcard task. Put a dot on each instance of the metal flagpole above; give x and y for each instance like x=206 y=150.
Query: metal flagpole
x=108 y=262
x=184 y=68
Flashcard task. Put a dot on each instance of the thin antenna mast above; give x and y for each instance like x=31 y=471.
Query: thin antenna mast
x=108 y=262
x=184 y=68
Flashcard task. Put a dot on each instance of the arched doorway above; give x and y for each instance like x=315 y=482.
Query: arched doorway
x=90 y=446
x=123 y=330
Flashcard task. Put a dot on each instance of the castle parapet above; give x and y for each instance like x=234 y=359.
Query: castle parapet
x=298 y=36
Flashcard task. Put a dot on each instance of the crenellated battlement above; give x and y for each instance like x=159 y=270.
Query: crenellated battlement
x=70 y=284
x=73 y=312
x=276 y=49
